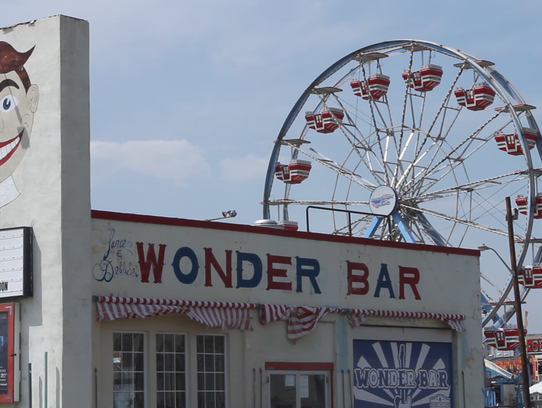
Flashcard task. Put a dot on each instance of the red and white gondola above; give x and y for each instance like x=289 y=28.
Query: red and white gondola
x=478 y=98
x=504 y=338
x=326 y=121
x=510 y=143
x=530 y=276
x=293 y=173
x=426 y=79
x=521 y=202
x=376 y=86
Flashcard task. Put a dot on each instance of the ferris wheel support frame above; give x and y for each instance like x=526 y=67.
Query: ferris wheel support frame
x=502 y=87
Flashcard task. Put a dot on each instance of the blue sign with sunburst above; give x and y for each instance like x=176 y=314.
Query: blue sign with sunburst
x=402 y=374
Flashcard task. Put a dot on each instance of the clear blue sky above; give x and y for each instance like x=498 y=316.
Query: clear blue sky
x=187 y=97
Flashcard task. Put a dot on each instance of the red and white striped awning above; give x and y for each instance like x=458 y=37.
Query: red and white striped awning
x=226 y=315
x=232 y=315
x=358 y=316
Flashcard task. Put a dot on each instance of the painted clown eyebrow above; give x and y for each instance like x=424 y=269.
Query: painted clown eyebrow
x=8 y=82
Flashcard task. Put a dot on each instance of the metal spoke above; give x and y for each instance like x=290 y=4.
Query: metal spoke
x=413 y=134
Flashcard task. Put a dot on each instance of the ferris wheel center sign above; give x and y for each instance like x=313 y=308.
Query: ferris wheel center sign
x=383 y=201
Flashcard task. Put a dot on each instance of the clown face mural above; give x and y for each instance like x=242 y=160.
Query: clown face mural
x=18 y=104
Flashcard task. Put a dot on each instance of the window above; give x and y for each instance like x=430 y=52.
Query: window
x=211 y=372
x=296 y=389
x=128 y=370
x=170 y=371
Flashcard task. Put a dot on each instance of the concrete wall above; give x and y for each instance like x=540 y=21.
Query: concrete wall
x=52 y=176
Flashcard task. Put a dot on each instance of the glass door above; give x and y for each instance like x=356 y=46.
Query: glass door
x=298 y=389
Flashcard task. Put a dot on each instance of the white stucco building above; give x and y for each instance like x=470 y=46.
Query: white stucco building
x=125 y=310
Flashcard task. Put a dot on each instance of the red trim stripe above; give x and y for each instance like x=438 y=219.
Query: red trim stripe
x=182 y=222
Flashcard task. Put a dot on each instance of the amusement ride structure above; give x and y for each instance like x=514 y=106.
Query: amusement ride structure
x=413 y=141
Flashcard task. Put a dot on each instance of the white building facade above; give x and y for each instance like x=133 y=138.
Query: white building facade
x=199 y=314
x=120 y=310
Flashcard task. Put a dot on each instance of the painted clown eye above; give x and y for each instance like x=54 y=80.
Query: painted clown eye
x=8 y=103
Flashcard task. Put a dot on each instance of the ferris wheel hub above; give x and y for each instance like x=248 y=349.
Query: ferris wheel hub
x=383 y=201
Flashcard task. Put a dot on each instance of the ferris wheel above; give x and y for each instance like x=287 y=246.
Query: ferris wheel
x=413 y=141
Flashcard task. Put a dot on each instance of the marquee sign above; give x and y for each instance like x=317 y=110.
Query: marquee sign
x=16 y=262
x=402 y=374
x=534 y=345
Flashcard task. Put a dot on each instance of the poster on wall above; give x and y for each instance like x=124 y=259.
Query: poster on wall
x=402 y=374
x=9 y=352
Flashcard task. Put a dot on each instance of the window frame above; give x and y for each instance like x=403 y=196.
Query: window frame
x=298 y=369
x=154 y=367
x=150 y=363
x=145 y=362
x=225 y=372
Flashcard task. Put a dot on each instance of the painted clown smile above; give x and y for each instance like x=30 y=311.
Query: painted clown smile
x=9 y=147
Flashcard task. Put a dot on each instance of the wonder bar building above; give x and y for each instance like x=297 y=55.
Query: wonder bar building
x=106 y=310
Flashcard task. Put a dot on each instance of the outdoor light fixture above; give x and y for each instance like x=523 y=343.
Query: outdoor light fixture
x=484 y=247
x=225 y=214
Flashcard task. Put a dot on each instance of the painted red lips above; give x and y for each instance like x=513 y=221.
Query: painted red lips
x=9 y=147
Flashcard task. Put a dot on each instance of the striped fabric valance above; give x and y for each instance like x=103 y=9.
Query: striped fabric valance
x=232 y=315
x=226 y=315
